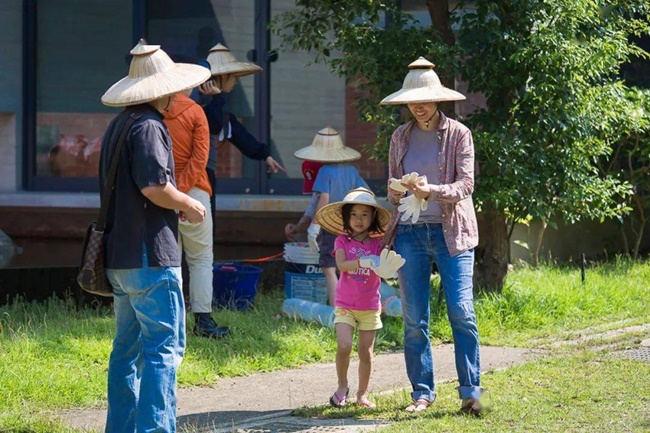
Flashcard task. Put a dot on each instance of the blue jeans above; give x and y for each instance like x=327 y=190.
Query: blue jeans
x=148 y=348
x=421 y=245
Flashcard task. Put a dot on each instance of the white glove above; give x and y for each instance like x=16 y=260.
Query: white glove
x=312 y=233
x=389 y=263
x=369 y=261
x=409 y=179
x=410 y=207
x=396 y=184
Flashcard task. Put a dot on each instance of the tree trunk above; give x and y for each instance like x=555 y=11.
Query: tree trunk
x=492 y=252
x=439 y=13
x=538 y=243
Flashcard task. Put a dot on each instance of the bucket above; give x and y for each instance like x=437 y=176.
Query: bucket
x=303 y=277
x=234 y=286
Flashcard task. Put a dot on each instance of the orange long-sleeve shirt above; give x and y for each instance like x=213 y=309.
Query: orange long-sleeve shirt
x=188 y=128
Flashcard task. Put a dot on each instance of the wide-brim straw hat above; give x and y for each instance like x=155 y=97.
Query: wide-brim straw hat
x=330 y=217
x=222 y=61
x=327 y=147
x=422 y=85
x=153 y=75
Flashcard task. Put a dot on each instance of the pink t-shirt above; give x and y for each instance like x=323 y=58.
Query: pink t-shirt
x=359 y=289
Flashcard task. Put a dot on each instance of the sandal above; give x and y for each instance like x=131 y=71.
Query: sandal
x=418 y=405
x=338 y=401
x=472 y=406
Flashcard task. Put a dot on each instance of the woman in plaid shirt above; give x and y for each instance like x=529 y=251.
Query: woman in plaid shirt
x=435 y=223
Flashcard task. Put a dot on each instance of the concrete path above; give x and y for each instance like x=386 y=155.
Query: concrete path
x=235 y=403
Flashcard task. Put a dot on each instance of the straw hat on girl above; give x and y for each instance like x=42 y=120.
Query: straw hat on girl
x=222 y=62
x=153 y=75
x=327 y=147
x=330 y=217
x=422 y=85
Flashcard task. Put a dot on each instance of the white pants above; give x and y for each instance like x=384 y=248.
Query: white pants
x=196 y=240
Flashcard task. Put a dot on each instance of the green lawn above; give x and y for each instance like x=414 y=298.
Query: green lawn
x=579 y=392
x=54 y=356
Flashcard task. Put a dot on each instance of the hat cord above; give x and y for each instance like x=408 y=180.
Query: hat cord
x=426 y=123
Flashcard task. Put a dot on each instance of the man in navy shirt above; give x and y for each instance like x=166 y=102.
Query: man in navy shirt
x=142 y=262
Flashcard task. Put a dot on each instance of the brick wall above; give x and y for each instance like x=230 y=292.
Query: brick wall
x=358 y=134
x=229 y=160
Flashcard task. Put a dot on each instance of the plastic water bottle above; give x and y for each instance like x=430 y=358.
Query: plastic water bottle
x=309 y=311
x=391 y=304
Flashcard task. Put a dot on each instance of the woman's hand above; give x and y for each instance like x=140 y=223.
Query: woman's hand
x=420 y=189
x=394 y=195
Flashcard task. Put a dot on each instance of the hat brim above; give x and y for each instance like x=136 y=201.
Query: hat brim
x=133 y=91
x=312 y=153
x=330 y=217
x=426 y=94
x=240 y=69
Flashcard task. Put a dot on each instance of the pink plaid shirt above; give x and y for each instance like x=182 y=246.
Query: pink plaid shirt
x=455 y=186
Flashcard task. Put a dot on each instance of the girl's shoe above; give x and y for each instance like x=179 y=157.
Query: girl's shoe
x=339 y=401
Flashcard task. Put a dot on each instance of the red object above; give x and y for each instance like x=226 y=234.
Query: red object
x=229 y=268
x=309 y=172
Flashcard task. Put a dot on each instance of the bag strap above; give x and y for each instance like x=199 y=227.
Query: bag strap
x=105 y=197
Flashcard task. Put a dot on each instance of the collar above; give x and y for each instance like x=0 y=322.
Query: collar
x=145 y=108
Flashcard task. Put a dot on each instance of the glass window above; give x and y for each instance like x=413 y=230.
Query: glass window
x=305 y=99
x=78 y=56
x=191 y=29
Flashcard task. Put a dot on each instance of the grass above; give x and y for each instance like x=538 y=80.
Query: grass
x=54 y=356
x=580 y=392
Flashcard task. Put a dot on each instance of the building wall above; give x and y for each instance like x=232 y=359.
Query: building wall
x=10 y=94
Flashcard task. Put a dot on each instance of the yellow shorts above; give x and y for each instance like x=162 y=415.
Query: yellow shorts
x=365 y=320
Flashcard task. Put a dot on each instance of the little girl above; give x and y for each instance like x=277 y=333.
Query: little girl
x=359 y=223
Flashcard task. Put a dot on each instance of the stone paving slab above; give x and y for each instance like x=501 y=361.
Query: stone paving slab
x=265 y=396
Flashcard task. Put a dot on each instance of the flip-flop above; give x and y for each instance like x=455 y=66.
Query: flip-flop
x=418 y=405
x=338 y=401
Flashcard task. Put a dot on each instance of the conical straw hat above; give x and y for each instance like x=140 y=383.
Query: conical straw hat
x=422 y=85
x=330 y=217
x=153 y=75
x=327 y=147
x=222 y=62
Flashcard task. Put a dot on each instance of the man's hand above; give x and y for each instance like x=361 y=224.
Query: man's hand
x=273 y=165
x=194 y=213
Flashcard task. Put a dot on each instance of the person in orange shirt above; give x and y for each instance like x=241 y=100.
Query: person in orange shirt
x=188 y=128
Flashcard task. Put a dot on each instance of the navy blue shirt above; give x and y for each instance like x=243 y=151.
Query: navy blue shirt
x=217 y=113
x=134 y=222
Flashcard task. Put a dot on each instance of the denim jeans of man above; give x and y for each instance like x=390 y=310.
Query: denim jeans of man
x=196 y=241
x=421 y=245
x=147 y=351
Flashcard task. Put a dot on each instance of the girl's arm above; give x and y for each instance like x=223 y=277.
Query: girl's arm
x=343 y=263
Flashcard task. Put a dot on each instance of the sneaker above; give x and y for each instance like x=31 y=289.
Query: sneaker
x=205 y=326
